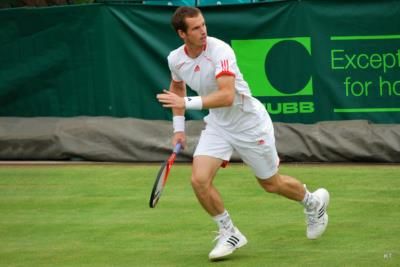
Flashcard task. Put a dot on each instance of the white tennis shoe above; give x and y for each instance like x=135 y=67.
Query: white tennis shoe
x=227 y=243
x=317 y=218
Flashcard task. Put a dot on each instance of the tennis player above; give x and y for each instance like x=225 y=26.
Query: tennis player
x=236 y=121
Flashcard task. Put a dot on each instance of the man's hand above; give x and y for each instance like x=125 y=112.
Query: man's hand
x=179 y=137
x=171 y=100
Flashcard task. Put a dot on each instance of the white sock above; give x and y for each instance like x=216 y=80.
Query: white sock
x=309 y=201
x=224 y=221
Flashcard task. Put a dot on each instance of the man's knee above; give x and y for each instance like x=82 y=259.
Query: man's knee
x=196 y=181
x=200 y=182
x=203 y=172
x=271 y=184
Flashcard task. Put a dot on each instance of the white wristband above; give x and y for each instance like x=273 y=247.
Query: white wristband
x=178 y=122
x=193 y=102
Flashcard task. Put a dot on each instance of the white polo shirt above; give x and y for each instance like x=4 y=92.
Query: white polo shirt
x=201 y=75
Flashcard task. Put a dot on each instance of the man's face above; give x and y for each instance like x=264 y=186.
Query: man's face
x=196 y=33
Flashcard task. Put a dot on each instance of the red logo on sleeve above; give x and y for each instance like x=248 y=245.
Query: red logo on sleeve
x=225 y=65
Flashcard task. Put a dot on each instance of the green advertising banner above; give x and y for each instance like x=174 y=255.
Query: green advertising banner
x=306 y=61
x=360 y=79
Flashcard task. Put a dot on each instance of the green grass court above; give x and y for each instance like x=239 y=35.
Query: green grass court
x=98 y=215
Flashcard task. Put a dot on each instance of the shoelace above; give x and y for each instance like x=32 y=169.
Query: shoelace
x=312 y=217
x=220 y=234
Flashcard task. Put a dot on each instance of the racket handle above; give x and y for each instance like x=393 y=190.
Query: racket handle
x=177 y=148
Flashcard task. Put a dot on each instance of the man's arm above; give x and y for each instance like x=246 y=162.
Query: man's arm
x=223 y=97
x=178 y=88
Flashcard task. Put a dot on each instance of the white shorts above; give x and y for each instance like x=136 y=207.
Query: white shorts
x=257 y=150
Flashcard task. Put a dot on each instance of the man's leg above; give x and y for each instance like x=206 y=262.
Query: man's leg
x=286 y=186
x=204 y=170
x=229 y=237
x=315 y=204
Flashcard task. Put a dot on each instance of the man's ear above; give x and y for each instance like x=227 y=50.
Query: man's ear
x=181 y=34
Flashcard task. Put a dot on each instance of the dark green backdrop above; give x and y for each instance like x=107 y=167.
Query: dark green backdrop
x=307 y=61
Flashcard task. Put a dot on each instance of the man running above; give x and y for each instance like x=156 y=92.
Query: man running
x=236 y=121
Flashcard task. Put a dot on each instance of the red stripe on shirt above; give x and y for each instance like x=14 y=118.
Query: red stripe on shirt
x=222 y=73
x=225 y=65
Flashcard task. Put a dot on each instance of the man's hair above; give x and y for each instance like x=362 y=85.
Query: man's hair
x=181 y=13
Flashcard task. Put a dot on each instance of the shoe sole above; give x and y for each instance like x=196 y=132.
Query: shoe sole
x=324 y=191
x=326 y=200
x=318 y=236
x=240 y=245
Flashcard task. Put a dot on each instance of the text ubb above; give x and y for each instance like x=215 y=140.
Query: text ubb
x=289 y=107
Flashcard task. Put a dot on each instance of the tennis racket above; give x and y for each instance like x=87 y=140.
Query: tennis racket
x=162 y=176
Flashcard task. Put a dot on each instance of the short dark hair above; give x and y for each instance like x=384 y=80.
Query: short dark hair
x=180 y=14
